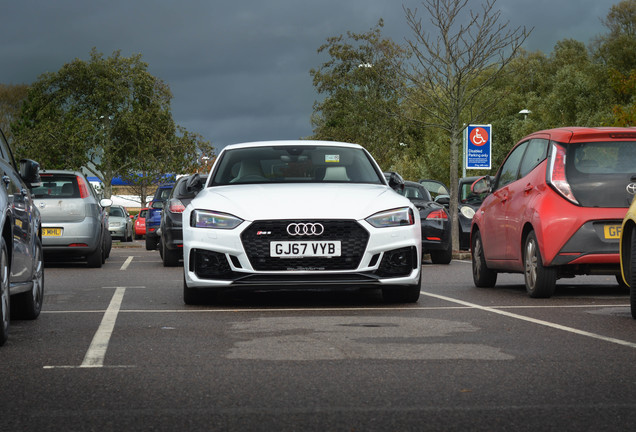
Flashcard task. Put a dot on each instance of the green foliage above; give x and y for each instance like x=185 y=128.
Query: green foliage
x=107 y=115
x=11 y=98
x=359 y=105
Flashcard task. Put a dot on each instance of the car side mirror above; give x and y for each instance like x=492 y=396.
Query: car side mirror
x=481 y=185
x=30 y=172
x=396 y=182
x=194 y=184
x=105 y=202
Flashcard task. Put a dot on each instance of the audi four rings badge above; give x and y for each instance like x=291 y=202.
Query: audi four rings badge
x=631 y=188
x=294 y=229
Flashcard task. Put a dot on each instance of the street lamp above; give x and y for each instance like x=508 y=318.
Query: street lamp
x=525 y=113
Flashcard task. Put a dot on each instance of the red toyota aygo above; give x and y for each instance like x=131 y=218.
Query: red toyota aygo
x=555 y=208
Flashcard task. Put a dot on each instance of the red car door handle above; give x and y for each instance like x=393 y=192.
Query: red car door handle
x=528 y=188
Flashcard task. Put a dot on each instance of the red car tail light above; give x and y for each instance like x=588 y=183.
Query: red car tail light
x=556 y=173
x=83 y=187
x=175 y=206
x=437 y=214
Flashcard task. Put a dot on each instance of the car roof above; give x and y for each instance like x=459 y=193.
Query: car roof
x=294 y=143
x=578 y=133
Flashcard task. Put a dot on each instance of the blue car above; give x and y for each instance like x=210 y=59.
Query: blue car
x=153 y=218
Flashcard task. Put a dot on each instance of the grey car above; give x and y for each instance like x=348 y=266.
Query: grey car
x=74 y=222
x=21 y=265
x=120 y=223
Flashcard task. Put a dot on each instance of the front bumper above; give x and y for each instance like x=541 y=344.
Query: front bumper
x=230 y=259
x=119 y=232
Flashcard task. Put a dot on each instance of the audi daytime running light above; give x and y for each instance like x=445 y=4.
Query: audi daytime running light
x=392 y=218
x=211 y=219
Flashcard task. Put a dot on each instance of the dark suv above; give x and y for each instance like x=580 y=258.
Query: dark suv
x=153 y=218
x=184 y=191
x=21 y=261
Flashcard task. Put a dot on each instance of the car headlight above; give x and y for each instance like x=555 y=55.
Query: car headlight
x=392 y=218
x=468 y=212
x=212 y=219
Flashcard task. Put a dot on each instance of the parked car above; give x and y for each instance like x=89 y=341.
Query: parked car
x=469 y=202
x=153 y=217
x=436 y=225
x=120 y=224
x=171 y=233
x=555 y=207
x=301 y=215
x=21 y=258
x=140 y=223
x=74 y=222
x=628 y=254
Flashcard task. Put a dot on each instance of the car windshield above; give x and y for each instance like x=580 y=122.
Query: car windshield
x=116 y=212
x=295 y=164
x=57 y=186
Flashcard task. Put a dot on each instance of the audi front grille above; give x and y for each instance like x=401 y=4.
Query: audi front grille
x=257 y=237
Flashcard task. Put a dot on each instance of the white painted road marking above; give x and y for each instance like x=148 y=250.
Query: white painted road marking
x=125 y=265
x=533 y=320
x=97 y=350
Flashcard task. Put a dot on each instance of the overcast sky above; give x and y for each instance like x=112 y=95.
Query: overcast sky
x=239 y=69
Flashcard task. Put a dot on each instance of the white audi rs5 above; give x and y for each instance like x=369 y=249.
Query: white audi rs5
x=299 y=215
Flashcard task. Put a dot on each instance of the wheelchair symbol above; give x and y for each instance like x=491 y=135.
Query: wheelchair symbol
x=477 y=138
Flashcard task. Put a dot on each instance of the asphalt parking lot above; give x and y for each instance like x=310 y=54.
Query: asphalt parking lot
x=117 y=349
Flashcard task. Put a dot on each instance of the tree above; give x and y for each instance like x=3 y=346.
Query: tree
x=107 y=115
x=359 y=106
x=450 y=70
x=616 y=50
x=11 y=98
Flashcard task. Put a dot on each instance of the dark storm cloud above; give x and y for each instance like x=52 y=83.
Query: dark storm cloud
x=238 y=70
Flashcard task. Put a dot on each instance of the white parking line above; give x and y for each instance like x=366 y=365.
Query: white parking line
x=97 y=350
x=125 y=265
x=532 y=320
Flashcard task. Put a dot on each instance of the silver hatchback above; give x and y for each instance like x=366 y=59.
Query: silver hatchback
x=74 y=222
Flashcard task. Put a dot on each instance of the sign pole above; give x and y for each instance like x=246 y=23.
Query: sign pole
x=464 y=155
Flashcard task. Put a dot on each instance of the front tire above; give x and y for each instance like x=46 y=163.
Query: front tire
x=483 y=277
x=28 y=305
x=404 y=293
x=540 y=280
x=5 y=303
x=196 y=296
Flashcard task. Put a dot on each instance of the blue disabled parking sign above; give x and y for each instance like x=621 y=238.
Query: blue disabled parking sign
x=478 y=146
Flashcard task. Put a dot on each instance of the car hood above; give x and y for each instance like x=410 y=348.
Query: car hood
x=299 y=201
